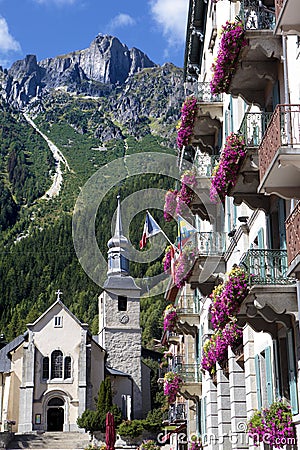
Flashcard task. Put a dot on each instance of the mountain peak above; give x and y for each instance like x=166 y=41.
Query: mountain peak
x=106 y=61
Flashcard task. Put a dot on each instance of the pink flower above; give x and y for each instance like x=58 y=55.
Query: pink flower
x=232 y=41
x=226 y=172
x=188 y=115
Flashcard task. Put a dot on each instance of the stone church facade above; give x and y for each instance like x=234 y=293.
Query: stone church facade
x=52 y=373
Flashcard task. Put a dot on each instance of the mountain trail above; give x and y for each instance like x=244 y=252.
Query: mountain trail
x=55 y=188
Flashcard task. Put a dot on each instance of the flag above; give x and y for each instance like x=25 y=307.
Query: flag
x=185 y=232
x=151 y=228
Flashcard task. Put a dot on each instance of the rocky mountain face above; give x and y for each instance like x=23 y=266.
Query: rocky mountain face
x=106 y=61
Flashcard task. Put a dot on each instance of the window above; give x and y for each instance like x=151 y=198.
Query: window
x=58 y=321
x=56 y=364
x=67 y=370
x=122 y=303
x=46 y=368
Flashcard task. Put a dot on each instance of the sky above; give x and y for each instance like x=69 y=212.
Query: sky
x=48 y=28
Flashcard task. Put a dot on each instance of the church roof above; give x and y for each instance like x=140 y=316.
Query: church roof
x=116 y=372
x=5 y=362
x=60 y=303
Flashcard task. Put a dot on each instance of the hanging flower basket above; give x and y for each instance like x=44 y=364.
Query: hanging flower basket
x=215 y=349
x=170 y=205
x=172 y=385
x=167 y=259
x=170 y=318
x=186 y=124
x=232 y=41
x=227 y=298
x=272 y=425
x=183 y=266
x=225 y=173
x=177 y=202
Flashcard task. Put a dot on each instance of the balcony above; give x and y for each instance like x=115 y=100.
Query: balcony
x=252 y=129
x=187 y=310
x=266 y=267
x=272 y=294
x=192 y=377
x=287 y=16
x=176 y=413
x=204 y=164
x=256 y=71
x=279 y=154
x=209 y=262
x=293 y=240
x=173 y=338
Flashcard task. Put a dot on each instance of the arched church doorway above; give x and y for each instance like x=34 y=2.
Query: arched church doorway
x=55 y=414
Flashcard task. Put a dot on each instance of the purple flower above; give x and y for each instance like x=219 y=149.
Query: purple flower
x=226 y=172
x=186 y=125
x=232 y=41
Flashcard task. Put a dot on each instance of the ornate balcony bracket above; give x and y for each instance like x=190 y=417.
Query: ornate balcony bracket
x=253 y=200
x=189 y=318
x=192 y=391
x=283 y=174
x=186 y=328
x=257 y=66
x=263 y=308
x=207 y=126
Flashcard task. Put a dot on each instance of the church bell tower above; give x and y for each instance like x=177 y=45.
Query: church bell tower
x=119 y=316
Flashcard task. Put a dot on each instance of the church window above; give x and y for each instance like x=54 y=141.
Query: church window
x=122 y=303
x=58 y=321
x=56 y=364
x=67 y=371
x=46 y=368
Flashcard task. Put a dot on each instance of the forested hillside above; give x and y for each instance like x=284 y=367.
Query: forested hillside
x=37 y=255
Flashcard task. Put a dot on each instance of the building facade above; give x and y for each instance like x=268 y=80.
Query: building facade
x=241 y=78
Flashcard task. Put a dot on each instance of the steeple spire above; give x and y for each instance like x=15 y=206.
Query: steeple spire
x=118 y=248
x=119 y=226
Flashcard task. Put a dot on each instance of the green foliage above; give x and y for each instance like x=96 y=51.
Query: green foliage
x=149 y=445
x=95 y=420
x=131 y=428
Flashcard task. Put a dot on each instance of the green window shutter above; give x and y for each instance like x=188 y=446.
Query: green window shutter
x=292 y=373
x=204 y=417
x=276 y=366
x=260 y=239
x=269 y=376
x=258 y=382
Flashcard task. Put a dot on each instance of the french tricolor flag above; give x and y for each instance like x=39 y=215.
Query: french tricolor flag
x=151 y=228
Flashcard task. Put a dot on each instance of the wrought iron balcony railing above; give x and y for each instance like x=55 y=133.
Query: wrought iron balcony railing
x=283 y=131
x=253 y=127
x=266 y=267
x=188 y=304
x=203 y=93
x=205 y=163
x=189 y=373
x=211 y=243
x=256 y=16
x=293 y=234
x=177 y=412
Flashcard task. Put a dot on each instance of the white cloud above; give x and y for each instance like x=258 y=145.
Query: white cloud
x=121 y=20
x=171 y=17
x=7 y=41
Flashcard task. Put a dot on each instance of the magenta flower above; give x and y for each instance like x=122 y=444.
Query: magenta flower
x=186 y=125
x=226 y=172
x=172 y=385
x=272 y=425
x=232 y=41
x=170 y=318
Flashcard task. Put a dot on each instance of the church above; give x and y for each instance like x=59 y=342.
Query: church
x=52 y=373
